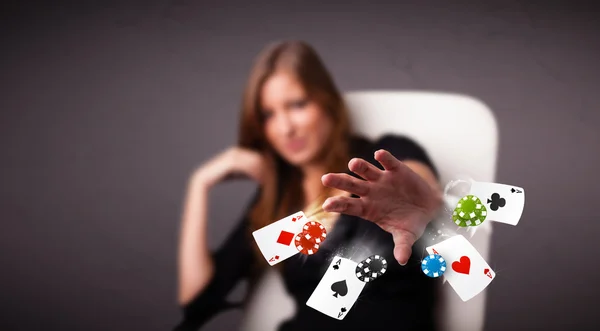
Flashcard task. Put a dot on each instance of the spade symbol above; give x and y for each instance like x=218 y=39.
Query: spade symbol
x=342 y=311
x=496 y=202
x=336 y=266
x=340 y=288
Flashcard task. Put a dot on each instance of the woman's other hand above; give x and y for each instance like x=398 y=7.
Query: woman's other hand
x=402 y=199
x=196 y=267
x=233 y=162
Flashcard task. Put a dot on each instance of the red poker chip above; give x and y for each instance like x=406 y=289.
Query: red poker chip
x=316 y=231
x=306 y=244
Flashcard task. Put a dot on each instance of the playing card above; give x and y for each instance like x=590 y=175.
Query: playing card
x=276 y=240
x=338 y=289
x=504 y=203
x=467 y=271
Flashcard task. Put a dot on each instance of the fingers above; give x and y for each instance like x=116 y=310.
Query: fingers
x=364 y=169
x=387 y=160
x=344 y=205
x=346 y=183
x=403 y=241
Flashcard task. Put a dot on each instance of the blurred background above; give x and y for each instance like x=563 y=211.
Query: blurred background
x=108 y=106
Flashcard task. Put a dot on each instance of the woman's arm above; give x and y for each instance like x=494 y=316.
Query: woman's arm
x=231 y=263
x=196 y=266
x=195 y=263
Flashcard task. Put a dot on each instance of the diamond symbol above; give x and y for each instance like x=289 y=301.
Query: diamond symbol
x=285 y=238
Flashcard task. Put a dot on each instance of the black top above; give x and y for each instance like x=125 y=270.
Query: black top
x=402 y=299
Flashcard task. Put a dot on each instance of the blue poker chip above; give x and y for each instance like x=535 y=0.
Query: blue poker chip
x=433 y=265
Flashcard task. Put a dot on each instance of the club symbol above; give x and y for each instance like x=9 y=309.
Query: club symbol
x=514 y=190
x=496 y=202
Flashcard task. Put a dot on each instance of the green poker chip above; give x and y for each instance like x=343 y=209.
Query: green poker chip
x=469 y=211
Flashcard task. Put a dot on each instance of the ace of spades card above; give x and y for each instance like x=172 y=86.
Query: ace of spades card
x=504 y=203
x=468 y=273
x=338 y=289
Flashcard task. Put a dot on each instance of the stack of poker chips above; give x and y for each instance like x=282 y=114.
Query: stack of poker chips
x=469 y=212
x=371 y=268
x=310 y=238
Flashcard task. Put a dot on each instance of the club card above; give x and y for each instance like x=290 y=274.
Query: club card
x=467 y=271
x=276 y=240
x=338 y=289
x=504 y=203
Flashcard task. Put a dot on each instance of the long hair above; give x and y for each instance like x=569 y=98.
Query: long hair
x=281 y=192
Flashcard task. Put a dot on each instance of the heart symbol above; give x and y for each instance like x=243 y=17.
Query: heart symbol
x=487 y=272
x=463 y=266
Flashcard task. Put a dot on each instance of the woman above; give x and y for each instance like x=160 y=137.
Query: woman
x=294 y=129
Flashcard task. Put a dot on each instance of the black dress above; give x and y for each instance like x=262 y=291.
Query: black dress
x=402 y=299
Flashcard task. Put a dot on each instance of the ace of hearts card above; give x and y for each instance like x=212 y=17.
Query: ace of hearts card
x=468 y=273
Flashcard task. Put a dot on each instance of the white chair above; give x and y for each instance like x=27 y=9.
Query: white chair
x=460 y=135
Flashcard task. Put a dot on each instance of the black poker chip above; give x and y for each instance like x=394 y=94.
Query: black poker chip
x=370 y=268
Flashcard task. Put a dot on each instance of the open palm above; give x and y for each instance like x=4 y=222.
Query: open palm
x=395 y=198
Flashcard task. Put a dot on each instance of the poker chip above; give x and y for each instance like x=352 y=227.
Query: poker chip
x=469 y=211
x=433 y=265
x=370 y=268
x=316 y=231
x=306 y=244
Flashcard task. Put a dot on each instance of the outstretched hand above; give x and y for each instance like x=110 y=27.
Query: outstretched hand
x=397 y=199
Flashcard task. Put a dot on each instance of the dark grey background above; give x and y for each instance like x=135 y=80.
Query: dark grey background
x=108 y=106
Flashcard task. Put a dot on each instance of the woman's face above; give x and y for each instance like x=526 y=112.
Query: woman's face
x=294 y=125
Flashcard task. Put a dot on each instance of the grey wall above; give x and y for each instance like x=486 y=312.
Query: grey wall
x=107 y=107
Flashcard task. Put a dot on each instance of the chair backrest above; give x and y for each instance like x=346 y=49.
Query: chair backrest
x=458 y=132
x=461 y=137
